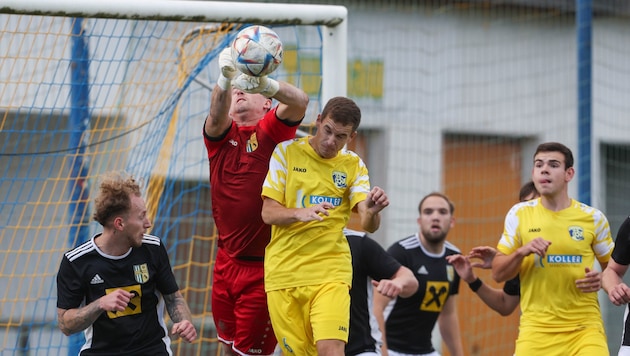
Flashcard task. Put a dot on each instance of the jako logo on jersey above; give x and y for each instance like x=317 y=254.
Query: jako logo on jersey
x=318 y=199
x=534 y=229
x=233 y=143
x=298 y=169
x=564 y=259
x=577 y=233
x=339 y=178
x=255 y=351
x=252 y=143
x=141 y=272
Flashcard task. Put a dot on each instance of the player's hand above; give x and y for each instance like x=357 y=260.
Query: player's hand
x=377 y=200
x=591 y=282
x=315 y=212
x=226 y=63
x=619 y=294
x=387 y=287
x=485 y=254
x=185 y=329
x=228 y=70
x=537 y=246
x=256 y=85
x=462 y=267
x=115 y=301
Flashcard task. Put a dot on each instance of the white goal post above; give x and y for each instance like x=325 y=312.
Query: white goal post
x=88 y=86
x=332 y=17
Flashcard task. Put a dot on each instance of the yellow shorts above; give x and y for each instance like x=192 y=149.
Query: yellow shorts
x=301 y=316
x=589 y=341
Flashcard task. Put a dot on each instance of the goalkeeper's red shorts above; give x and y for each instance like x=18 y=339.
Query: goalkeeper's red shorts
x=239 y=305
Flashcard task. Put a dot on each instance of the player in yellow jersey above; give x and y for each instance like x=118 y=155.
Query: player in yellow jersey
x=552 y=243
x=312 y=185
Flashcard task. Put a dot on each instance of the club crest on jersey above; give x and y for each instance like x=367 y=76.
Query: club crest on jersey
x=577 y=233
x=141 y=272
x=252 y=143
x=339 y=178
x=450 y=273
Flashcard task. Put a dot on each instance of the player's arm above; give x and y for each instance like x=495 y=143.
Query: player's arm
x=218 y=120
x=370 y=208
x=505 y=267
x=292 y=102
x=613 y=284
x=379 y=303
x=274 y=213
x=448 y=322
x=179 y=312
x=403 y=283
x=71 y=321
x=496 y=299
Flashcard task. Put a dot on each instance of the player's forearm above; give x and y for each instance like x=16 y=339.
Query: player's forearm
x=449 y=330
x=277 y=215
x=505 y=267
x=370 y=221
x=72 y=321
x=177 y=307
x=293 y=102
x=407 y=280
x=495 y=299
x=380 y=321
x=219 y=111
x=610 y=279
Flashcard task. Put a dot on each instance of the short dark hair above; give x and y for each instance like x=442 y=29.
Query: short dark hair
x=557 y=147
x=437 y=194
x=526 y=190
x=342 y=110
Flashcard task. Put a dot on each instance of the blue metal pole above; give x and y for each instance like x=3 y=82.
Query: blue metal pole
x=78 y=126
x=584 y=18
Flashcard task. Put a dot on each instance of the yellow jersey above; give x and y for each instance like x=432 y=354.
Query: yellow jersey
x=579 y=234
x=314 y=252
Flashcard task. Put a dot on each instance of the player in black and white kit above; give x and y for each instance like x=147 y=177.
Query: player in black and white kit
x=116 y=286
x=612 y=282
x=409 y=323
x=372 y=267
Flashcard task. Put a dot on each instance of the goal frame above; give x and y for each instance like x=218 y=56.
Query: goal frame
x=333 y=18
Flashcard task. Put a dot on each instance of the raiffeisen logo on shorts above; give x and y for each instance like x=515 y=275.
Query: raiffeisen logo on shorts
x=555 y=260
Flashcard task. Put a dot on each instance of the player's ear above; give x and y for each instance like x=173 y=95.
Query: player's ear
x=119 y=223
x=569 y=173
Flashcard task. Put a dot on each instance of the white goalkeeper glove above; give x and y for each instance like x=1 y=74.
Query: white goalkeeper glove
x=228 y=70
x=254 y=85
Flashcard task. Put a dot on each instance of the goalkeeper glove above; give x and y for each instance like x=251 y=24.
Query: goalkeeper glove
x=228 y=70
x=254 y=85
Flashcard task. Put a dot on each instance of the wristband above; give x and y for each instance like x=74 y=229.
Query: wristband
x=475 y=285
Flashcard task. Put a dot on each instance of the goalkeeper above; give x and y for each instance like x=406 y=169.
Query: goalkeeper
x=240 y=134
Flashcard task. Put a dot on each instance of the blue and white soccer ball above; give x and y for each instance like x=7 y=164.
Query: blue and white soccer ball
x=257 y=51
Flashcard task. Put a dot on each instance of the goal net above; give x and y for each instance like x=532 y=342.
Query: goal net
x=92 y=86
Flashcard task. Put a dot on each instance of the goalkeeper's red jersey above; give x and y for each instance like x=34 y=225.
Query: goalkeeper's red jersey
x=238 y=166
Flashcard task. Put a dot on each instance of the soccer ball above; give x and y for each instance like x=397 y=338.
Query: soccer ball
x=257 y=51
